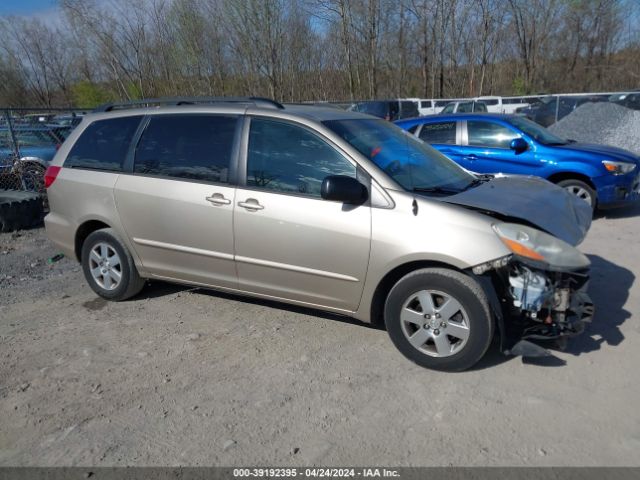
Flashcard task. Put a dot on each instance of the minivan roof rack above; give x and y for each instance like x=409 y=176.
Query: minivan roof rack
x=257 y=101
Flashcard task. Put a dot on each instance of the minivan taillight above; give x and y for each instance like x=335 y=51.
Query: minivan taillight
x=50 y=175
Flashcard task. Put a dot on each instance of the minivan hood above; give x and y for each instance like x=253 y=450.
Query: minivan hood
x=533 y=200
x=603 y=152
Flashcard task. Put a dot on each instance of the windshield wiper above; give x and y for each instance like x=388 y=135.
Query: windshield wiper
x=440 y=190
x=477 y=181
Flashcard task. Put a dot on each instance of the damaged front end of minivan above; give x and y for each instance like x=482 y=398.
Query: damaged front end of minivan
x=538 y=292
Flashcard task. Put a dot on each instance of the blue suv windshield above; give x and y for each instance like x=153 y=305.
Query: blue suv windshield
x=409 y=161
x=537 y=132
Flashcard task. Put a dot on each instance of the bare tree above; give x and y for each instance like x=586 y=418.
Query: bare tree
x=297 y=50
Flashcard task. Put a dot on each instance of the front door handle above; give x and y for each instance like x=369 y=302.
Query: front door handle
x=250 y=204
x=218 y=199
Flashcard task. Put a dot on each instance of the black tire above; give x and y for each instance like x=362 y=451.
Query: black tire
x=573 y=185
x=19 y=210
x=130 y=284
x=468 y=294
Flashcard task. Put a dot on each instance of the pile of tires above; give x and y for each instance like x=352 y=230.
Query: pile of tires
x=19 y=210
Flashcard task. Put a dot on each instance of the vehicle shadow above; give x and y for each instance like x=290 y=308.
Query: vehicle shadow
x=622 y=212
x=156 y=289
x=609 y=290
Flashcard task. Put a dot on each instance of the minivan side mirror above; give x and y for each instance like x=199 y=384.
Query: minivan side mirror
x=340 y=188
x=519 y=145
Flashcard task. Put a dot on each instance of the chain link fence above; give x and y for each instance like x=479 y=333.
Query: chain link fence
x=29 y=139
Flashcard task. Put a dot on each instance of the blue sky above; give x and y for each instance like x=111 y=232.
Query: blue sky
x=25 y=7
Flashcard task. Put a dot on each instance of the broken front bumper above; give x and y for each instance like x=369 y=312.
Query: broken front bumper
x=533 y=304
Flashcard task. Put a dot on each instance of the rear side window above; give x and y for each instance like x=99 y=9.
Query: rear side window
x=36 y=138
x=465 y=107
x=289 y=159
x=487 y=134
x=408 y=110
x=425 y=104
x=195 y=147
x=378 y=109
x=104 y=144
x=439 y=133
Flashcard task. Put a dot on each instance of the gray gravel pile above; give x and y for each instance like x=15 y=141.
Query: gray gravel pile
x=602 y=123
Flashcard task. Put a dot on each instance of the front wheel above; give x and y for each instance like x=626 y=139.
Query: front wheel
x=109 y=267
x=439 y=319
x=579 y=189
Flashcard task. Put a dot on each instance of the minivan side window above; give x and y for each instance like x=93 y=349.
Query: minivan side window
x=443 y=133
x=487 y=134
x=195 y=147
x=103 y=145
x=290 y=159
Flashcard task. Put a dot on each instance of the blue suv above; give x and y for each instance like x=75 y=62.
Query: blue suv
x=601 y=175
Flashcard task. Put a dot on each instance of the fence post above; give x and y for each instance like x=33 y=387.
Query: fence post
x=12 y=133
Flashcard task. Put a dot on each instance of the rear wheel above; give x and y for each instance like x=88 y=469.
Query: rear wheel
x=439 y=319
x=580 y=189
x=108 y=266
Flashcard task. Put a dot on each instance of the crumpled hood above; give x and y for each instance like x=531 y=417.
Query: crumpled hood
x=603 y=152
x=534 y=200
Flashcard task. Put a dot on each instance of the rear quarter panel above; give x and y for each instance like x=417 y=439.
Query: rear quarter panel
x=80 y=195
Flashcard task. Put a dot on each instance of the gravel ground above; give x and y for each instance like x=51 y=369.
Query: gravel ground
x=603 y=123
x=182 y=376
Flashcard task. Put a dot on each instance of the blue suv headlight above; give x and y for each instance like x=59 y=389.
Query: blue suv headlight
x=618 y=168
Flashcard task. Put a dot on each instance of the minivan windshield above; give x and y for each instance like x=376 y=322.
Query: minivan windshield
x=409 y=161
x=537 y=132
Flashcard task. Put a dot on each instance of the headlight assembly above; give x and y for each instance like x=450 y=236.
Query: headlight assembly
x=540 y=248
x=618 y=168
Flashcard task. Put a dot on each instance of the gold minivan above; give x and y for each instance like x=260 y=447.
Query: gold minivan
x=324 y=208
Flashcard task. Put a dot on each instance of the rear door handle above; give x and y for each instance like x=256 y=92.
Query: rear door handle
x=471 y=157
x=218 y=199
x=251 y=204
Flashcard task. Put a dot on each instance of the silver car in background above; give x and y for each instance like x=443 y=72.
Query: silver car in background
x=323 y=208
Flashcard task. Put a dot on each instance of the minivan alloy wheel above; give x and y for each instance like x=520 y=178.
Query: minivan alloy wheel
x=105 y=266
x=435 y=323
x=109 y=267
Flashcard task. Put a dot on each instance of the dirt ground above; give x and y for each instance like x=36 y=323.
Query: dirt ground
x=181 y=376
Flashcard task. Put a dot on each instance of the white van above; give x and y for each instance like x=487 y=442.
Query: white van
x=426 y=106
